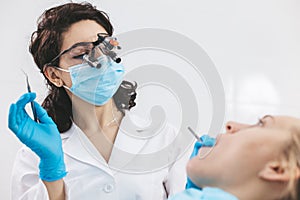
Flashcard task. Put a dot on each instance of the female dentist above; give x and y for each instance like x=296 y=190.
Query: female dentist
x=68 y=150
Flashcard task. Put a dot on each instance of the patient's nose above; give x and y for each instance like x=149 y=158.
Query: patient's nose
x=232 y=127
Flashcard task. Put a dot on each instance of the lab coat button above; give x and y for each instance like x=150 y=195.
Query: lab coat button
x=108 y=188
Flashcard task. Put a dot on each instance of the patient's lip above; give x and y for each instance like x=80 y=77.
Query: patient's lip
x=205 y=150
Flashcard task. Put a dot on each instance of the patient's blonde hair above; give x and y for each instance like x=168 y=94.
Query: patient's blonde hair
x=291 y=156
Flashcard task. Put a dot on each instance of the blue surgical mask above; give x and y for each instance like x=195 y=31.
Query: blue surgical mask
x=96 y=85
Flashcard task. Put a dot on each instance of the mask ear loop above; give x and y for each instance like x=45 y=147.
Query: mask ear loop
x=58 y=68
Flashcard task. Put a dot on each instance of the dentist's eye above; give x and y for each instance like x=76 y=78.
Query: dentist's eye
x=79 y=56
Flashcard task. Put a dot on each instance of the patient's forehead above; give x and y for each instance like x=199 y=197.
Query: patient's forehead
x=283 y=122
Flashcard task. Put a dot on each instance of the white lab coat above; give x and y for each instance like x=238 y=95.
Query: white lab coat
x=90 y=177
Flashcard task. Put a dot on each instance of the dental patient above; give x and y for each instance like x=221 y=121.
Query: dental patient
x=249 y=162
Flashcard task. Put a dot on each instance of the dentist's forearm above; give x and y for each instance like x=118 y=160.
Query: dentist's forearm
x=56 y=189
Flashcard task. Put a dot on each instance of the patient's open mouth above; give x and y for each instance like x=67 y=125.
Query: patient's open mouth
x=206 y=150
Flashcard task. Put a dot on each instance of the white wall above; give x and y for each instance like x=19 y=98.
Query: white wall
x=254 y=44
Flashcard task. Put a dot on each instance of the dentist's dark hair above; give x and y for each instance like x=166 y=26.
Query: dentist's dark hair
x=46 y=43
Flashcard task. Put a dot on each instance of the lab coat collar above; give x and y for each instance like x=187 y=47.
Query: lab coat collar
x=78 y=146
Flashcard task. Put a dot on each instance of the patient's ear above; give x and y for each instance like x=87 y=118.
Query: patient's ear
x=277 y=171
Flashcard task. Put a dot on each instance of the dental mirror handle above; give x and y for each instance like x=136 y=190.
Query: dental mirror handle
x=194 y=134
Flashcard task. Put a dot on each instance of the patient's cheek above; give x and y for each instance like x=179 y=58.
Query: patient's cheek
x=193 y=166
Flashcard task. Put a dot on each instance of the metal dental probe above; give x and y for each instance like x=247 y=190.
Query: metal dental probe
x=31 y=103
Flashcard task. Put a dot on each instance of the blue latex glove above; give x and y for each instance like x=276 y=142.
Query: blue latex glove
x=205 y=141
x=42 y=138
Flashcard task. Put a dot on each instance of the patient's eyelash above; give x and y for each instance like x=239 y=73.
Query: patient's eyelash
x=260 y=122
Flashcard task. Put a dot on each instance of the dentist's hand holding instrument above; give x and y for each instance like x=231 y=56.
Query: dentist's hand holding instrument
x=203 y=141
x=41 y=137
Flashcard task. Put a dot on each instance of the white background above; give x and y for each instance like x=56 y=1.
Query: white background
x=255 y=46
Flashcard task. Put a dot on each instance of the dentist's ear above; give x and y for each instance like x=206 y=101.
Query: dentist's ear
x=54 y=76
x=278 y=172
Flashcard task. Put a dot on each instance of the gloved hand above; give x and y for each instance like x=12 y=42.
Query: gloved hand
x=205 y=141
x=43 y=138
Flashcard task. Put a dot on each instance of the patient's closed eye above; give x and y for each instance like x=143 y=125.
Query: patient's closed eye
x=260 y=122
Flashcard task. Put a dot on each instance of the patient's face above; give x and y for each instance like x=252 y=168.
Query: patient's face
x=242 y=152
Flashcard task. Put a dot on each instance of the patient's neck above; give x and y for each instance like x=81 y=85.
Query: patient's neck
x=256 y=189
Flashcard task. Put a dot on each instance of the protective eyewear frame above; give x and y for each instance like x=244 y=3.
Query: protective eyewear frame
x=102 y=37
